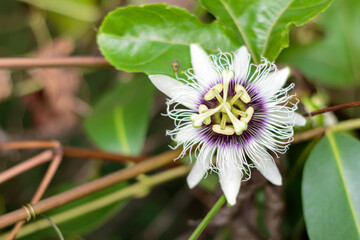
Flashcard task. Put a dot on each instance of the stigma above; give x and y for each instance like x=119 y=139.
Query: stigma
x=231 y=114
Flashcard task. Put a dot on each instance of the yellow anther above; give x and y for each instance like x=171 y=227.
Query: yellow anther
x=227 y=112
x=228 y=130
x=202 y=109
x=244 y=96
x=210 y=94
x=239 y=112
x=249 y=112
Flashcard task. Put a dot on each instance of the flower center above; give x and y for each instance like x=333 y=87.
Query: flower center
x=230 y=116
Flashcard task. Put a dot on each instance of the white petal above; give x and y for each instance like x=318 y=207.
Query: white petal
x=187 y=133
x=203 y=66
x=230 y=181
x=175 y=89
x=275 y=81
x=241 y=62
x=270 y=171
x=299 y=120
x=264 y=162
x=200 y=168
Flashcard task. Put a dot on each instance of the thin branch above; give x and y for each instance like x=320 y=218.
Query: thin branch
x=136 y=189
x=71 y=151
x=56 y=62
x=341 y=126
x=304 y=136
x=91 y=187
x=334 y=108
x=29 y=145
x=26 y=165
x=47 y=178
x=89 y=153
x=41 y=190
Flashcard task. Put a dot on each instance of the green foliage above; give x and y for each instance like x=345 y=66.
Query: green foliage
x=69 y=8
x=70 y=17
x=149 y=38
x=119 y=120
x=334 y=60
x=330 y=189
x=264 y=25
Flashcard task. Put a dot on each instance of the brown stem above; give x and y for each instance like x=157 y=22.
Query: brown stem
x=71 y=151
x=26 y=165
x=341 y=126
x=29 y=145
x=57 y=62
x=303 y=136
x=47 y=178
x=88 y=153
x=40 y=191
x=91 y=187
x=334 y=108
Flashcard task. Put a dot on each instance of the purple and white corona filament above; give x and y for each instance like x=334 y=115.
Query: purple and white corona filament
x=234 y=113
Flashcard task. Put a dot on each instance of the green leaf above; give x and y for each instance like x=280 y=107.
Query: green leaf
x=333 y=61
x=149 y=38
x=84 y=10
x=330 y=189
x=74 y=18
x=262 y=24
x=119 y=120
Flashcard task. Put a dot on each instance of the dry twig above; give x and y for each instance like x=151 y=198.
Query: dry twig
x=55 y=62
x=91 y=187
x=41 y=189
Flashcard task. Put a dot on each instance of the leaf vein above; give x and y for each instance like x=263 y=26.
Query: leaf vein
x=342 y=176
x=247 y=42
x=265 y=46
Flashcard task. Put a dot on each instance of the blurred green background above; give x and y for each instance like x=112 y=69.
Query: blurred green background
x=77 y=106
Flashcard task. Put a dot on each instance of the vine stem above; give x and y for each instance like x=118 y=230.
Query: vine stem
x=341 y=126
x=56 y=62
x=70 y=151
x=208 y=218
x=91 y=187
x=138 y=189
x=37 y=160
x=333 y=108
x=41 y=189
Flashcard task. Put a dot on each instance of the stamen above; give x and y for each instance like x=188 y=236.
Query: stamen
x=249 y=112
x=227 y=76
x=225 y=105
x=245 y=96
x=210 y=94
x=242 y=106
x=225 y=112
x=236 y=97
x=228 y=130
x=217 y=95
x=199 y=118
x=202 y=109
x=239 y=126
x=223 y=121
x=239 y=112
